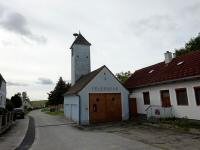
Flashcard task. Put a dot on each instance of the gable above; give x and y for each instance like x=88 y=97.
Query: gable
x=82 y=82
x=104 y=81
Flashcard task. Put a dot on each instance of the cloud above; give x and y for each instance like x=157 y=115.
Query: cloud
x=2 y=10
x=153 y=23
x=17 y=23
x=16 y=84
x=44 y=81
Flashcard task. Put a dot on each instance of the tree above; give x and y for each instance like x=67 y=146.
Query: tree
x=9 y=105
x=56 y=97
x=192 y=45
x=123 y=76
x=16 y=100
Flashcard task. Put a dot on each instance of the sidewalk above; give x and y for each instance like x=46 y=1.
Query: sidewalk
x=15 y=135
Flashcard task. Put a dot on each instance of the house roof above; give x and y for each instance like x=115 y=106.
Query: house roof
x=82 y=82
x=80 y=40
x=179 y=68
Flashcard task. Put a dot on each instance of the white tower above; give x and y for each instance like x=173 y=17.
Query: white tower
x=80 y=58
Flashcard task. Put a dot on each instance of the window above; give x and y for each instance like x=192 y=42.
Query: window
x=181 y=96
x=95 y=108
x=197 y=95
x=146 y=98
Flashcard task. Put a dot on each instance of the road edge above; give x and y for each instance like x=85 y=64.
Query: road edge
x=29 y=136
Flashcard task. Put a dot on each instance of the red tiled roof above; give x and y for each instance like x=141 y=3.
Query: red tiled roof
x=166 y=72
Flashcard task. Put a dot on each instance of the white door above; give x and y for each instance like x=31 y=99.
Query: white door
x=68 y=111
x=74 y=112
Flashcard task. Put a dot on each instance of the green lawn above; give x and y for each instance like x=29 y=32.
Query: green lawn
x=38 y=103
x=46 y=110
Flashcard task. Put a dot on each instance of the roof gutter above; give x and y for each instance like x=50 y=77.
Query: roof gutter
x=168 y=81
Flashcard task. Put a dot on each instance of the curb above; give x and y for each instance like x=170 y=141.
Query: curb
x=29 y=137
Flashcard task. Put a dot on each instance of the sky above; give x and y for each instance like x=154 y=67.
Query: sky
x=35 y=36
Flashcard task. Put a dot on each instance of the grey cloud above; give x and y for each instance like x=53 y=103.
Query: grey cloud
x=155 y=23
x=17 y=23
x=192 y=9
x=16 y=84
x=44 y=81
x=2 y=9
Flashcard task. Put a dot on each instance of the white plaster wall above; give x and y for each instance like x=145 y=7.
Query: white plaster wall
x=71 y=107
x=3 y=94
x=80 y=61
x=101 y=80
x=192 y=111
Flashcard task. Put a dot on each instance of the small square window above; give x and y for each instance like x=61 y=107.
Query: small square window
x=95 y=108
x=181 y=95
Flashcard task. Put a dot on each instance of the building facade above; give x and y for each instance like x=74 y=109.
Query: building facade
x=26 y=103
x=95 y=96
x=171 y=87
x=2 y=92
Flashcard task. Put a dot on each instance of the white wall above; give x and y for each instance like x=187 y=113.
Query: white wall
x=3 y=94
x=192 y=111
x=71 y=108
x=103 y=84
x=80 y=61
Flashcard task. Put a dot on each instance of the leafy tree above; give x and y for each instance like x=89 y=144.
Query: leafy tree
x=123 y=76
x=56 y=97
x=9 y=105
x=192 y=45
x=16 y=100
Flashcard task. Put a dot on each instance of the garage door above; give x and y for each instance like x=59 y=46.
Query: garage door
x=105 y=107
x=72 y=112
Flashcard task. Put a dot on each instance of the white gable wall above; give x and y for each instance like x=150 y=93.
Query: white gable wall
x=104 y=82
x=3 y=94
x=192 y=111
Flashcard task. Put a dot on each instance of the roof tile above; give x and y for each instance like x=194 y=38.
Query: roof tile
x=166 y=72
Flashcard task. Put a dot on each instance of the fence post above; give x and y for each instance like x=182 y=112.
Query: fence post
x=1 y=117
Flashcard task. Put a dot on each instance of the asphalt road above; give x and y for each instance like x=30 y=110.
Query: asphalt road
x=55 y=133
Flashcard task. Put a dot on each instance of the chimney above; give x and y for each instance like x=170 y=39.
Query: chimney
x=168 y=57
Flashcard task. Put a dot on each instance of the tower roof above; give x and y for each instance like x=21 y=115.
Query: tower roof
x=80 y=40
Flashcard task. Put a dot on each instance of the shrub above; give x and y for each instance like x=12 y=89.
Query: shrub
x=3 y=111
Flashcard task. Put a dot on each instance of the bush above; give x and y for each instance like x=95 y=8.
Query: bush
x=9 y=105
x=52 y=109
x=3 y=111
